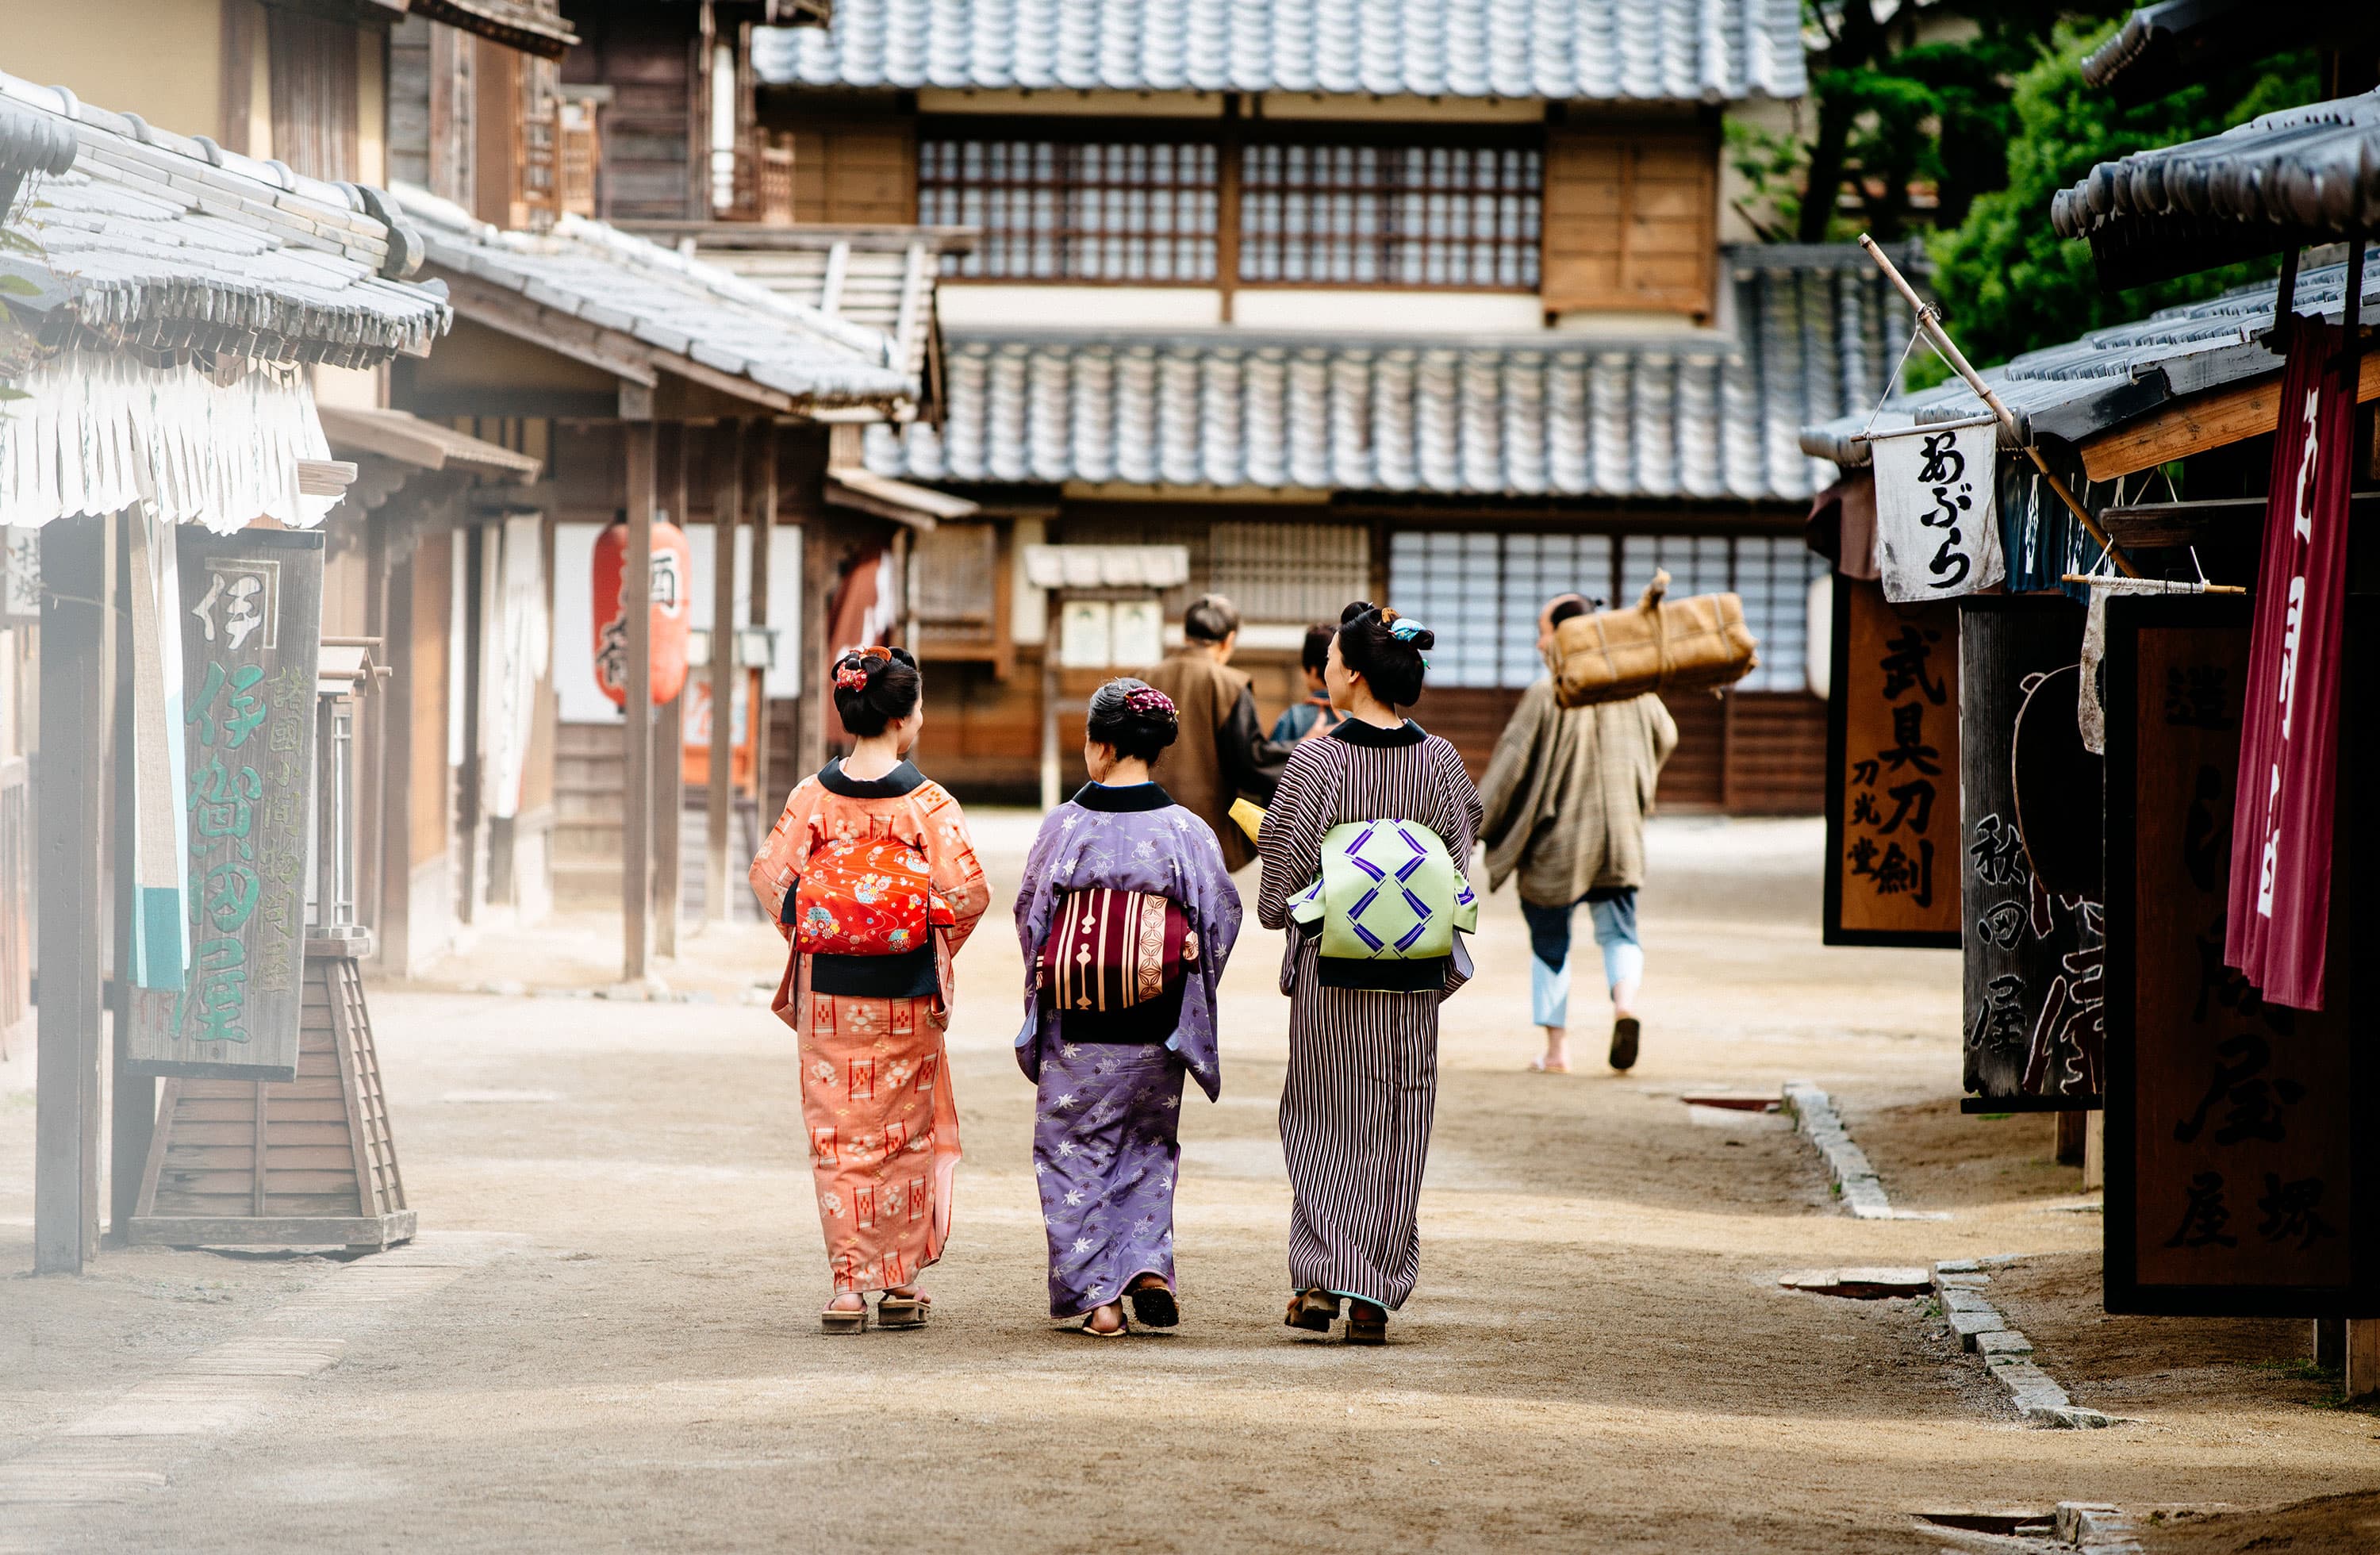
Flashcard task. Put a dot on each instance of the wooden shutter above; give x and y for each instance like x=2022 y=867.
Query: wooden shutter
x=856 y=174
x=314 y=98
x=1631 y=219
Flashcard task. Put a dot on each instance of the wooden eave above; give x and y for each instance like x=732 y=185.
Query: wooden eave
x=2201 y=422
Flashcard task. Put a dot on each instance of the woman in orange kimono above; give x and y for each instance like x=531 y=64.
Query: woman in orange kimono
x=875 y=1088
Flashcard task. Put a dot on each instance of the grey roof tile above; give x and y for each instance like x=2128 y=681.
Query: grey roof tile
x=154 y=239
x=681 y=307
x=2304 y=175
x=1646 y=50
x=2113 y=375
x=1705 y=415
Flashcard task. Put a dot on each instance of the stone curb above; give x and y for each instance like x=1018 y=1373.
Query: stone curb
x=1959 y=1285
x=1855 y=1181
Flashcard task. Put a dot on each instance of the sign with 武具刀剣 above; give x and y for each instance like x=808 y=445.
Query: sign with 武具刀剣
x=251 y=619
x=1892 y=771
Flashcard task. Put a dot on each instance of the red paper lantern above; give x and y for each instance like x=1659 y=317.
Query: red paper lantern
x=672 y=591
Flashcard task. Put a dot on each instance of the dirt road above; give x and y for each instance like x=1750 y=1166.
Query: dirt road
x=624 y=1350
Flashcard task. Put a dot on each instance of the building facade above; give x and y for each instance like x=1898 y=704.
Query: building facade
x=1431 y=307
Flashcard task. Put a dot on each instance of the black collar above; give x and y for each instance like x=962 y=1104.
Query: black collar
x=1355 y=731
x=1129 y=799
x=892 y=785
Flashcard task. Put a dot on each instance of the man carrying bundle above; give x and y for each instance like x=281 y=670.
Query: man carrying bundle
x=1566 y=795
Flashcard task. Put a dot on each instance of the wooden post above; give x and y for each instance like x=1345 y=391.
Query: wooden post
x=820 y=552
x=635 y=739
x=76 y=572
x=669 y=736
x=2094 y=1151
x=1049 y=701
x=2330 y=1342
x=764 y=529
x=2362 y=1356
x=2071 y=1127
x=726 y=505
x=133 y=1099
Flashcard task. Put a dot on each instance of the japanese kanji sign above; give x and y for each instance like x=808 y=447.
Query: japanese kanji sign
x=1938 y=533
x=2232 y=1121
x=251 y=633
x=1893 y=772
x=2034 y=993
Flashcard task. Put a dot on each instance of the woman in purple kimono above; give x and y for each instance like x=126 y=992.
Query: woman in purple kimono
x=1132 y=886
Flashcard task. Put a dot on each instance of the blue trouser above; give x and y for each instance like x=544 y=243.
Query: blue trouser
x=1615 y=931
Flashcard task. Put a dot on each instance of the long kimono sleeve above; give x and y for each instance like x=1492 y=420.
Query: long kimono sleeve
x=779 y=864
x=955 y=870
x=1213 y=902
x=1458 y=810
x=1289 y=842
x=1036 y=908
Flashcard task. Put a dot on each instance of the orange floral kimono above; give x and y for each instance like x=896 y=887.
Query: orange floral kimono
x=875 y=1088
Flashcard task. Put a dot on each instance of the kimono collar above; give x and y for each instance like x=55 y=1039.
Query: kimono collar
x=1129 y=799
x=1355 y=731
x=892 y=785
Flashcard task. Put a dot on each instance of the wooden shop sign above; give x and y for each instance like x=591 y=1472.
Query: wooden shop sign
x=251 y=633
x=2243 y=1138
x=1892 y=771
x=2032 y=988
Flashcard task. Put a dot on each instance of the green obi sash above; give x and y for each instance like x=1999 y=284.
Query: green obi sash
x=1389 y=891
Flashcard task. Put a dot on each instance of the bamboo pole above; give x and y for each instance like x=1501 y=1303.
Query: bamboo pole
x=1930 y=323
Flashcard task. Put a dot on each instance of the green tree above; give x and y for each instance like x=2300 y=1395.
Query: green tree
x=2008 y=282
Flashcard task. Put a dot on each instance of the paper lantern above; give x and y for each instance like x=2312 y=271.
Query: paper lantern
x=673 y=573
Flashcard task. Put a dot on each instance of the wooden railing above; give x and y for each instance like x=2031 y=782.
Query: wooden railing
x=777 y=183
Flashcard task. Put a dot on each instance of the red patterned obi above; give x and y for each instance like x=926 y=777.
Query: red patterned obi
x=866 y=898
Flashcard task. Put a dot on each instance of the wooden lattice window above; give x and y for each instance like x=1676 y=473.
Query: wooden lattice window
x=1390 y=216
x=1054 y=210
x=1290 y=573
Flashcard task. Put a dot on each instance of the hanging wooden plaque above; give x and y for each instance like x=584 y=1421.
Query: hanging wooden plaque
x=1892 y=771
x=251 y=634
x=2032 y=988
x=2243 y=1139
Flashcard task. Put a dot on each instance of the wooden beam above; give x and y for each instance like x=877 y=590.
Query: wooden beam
x=726 y=507
x=66 y=828
x=635 y=739
x=2215 y=419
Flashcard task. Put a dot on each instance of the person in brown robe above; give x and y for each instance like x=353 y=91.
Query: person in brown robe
x=1222 y=752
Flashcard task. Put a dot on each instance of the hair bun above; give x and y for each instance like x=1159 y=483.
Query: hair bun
x=1424 y=639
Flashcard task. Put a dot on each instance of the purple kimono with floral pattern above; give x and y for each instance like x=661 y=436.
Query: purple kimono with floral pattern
x=1105 y=1155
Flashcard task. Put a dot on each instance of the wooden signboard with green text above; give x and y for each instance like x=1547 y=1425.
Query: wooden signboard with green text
x=2243 y=1139
x=1892 y=771
x=251 y=623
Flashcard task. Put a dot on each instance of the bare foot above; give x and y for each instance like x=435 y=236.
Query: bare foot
x=849 y=1301
x=1553 y=1061
x=1150 y=1282
x=1107 y=1320
x=909 y=1293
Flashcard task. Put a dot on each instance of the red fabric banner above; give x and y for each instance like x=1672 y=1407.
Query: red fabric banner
x=2278 y=923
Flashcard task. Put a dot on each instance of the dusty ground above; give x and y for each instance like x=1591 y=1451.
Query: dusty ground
x=1599 y=1356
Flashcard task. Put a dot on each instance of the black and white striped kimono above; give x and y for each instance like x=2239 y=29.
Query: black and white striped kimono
x=1363 y=1035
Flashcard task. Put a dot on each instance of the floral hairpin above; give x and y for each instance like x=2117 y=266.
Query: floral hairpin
x=1147 y=700
x=850 y=677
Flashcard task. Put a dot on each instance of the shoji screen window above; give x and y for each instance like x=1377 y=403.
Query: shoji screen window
x=1537 y=568
x=1774 y=576
x=1143 y=212
x=1454 y=584
x=1371 y=214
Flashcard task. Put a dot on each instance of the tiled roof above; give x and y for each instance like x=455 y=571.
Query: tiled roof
x=2164 y=47
x=168 y=244
x=2301 y=176
x=1694 y=413
x=1706 y=51
x=2115 y=375
x=664 y=309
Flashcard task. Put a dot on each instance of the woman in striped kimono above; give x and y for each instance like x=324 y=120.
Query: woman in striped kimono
x=875 y=1087
x=1363 y=1035
x=1129 y=1007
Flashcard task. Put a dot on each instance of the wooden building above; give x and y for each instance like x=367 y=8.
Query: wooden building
x=1422 y=311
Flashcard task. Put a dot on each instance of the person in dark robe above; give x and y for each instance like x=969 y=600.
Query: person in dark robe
x=1313 y=716
x=1109 y=1073
x=1222 y=753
